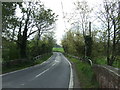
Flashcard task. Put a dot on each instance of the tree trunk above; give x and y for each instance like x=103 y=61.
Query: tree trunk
x=88 y=44
x=108 y=41
x=108 y=46
x=22 y=39
x=113 y=46
x=23 y=51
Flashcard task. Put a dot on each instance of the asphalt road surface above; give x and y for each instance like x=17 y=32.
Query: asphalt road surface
x=54 y=73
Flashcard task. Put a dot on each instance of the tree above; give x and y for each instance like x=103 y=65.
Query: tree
x=33 y=15
x=44 y=46
x=84 y=14
x=44 y=21
x=109 y=17
x=9 y=21
x=9 y=24
x=73 y=43
x=79 y=43
x=41 y=18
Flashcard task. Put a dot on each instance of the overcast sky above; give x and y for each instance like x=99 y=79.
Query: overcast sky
x=68 y=7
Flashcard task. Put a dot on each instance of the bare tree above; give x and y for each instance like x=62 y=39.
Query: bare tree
x=83 y=11
x=109 y=17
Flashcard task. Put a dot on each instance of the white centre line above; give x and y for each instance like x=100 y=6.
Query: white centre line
x=22 y=84
x=44 y=71
x=54 y=64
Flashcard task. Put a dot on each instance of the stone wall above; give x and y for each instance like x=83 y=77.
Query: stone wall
x=107 y=76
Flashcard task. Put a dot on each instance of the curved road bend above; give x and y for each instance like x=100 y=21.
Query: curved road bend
x=54 y=73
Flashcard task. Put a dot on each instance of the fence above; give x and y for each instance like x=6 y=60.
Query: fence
x=86 y=60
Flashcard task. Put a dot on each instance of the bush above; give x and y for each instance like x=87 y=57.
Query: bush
x=9 y=50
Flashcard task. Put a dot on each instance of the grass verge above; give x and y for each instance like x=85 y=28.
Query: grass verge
x=25 y=65
x=55 y=49
x=85 y=74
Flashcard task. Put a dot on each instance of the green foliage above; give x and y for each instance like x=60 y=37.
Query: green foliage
x=8 y=16
x=104 y=41
x=9 y=50
x=39 y=47
x=43 y=58
x=25 y=65
x=100 y=60
x=117 y=62
x=73 y=43
x=99 y=49
x=19 y=29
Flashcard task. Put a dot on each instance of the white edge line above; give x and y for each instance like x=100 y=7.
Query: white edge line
x=71 y=74
x=26 y=68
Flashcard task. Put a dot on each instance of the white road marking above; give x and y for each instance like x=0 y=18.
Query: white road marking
x=57 y=61
x=54 y=64
x=41 y=73
x=71 y=74
x=44 y=71
x=22 y=84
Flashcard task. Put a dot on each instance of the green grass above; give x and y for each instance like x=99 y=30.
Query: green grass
x=117 y=63
x=103 y=61
x=25 y=65
x=100 y=60
x=85 y=74
x=58 y=50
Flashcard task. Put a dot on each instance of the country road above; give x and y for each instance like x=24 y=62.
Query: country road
x=54 y=73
